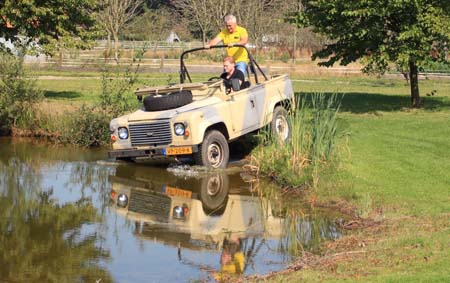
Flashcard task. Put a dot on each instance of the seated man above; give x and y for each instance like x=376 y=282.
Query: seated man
x=231 y=73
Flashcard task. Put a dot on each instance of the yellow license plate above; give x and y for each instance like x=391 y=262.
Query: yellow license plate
x=178 y=150
x=178 y=192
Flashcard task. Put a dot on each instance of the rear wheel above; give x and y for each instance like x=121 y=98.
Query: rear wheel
x=214 y=151
x=280 y=126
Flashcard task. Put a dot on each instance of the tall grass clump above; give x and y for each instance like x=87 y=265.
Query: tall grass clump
x=19 y=96
x=311 y=147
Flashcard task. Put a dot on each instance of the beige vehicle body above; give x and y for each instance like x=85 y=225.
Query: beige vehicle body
x=153 y=134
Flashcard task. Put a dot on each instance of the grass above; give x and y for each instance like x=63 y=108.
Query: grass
x=395 y=169
x=86 y=89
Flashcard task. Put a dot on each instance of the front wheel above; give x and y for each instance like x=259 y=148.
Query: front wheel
x=214 y=151
x=280 y=126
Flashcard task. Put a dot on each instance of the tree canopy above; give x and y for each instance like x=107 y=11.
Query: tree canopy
x=48 y=22
x=407 y=33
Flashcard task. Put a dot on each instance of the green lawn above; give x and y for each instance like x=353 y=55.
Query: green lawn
x=395 y=168
x=394 y=156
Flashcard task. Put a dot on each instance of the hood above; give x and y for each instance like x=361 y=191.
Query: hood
x=140 y=114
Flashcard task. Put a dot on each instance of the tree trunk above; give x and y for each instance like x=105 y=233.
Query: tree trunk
x=116 y=46
x=414 y=83
x=108 y=46
x=204 y=37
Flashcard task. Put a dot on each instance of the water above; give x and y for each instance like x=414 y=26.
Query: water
x=61 y=220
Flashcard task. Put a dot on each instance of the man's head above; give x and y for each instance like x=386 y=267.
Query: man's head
x=228 y=64
x=230 y=22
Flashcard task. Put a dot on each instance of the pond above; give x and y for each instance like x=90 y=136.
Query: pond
x=71 y=215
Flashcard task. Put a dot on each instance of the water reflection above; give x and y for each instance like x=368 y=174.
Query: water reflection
x=40 y=238
x=67 y=214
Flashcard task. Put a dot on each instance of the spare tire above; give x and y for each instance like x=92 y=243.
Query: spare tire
x=167 y=101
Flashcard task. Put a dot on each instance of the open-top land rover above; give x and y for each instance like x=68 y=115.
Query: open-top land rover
x=200 y=119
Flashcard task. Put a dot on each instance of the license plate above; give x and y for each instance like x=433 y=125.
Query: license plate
x=178 y=192
x=178 y=150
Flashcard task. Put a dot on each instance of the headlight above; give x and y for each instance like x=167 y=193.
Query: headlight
x=122 y=200
x=123 y=133
x=179 y=129
x=180 y=212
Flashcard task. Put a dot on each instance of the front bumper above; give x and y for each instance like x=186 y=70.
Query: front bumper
x=144 y=153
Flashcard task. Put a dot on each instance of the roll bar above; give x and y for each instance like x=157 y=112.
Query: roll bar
x=252 y=63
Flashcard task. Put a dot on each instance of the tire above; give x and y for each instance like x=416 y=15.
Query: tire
x=167 y=101
x=280 y=127
x=214 y=151
x=214 y=193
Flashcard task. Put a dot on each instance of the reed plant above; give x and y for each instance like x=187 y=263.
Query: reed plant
x=299 y=160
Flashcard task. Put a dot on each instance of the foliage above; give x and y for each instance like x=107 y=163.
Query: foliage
x=51 y=24
x=18 y=94
x=409 y=33
x=87 y=127
x=159 y=22
x=116 y=84
x=299 y=161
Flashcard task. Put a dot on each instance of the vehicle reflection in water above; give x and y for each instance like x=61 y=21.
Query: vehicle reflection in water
x=217 y=212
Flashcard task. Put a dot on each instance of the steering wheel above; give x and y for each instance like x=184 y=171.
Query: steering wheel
x=214 y=78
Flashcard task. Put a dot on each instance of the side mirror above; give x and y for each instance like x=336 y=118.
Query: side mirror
x=235 y=84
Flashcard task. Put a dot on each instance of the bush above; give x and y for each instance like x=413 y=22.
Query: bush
x=19 y=95
x=86 y=127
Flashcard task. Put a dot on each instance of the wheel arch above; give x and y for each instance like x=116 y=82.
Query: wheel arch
x=219 y=126
x=286 y=103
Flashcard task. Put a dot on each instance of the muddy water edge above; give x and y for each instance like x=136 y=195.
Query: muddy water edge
x=71 y=215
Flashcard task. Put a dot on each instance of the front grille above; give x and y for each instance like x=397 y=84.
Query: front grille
x=148 y=202
x=151 y=134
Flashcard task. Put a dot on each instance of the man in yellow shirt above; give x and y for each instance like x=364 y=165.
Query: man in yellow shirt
x=232 y=35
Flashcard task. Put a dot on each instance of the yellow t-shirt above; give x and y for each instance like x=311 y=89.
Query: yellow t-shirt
x=239 y=54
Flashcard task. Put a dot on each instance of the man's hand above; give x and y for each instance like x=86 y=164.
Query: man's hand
x=231 y=44
x=207 y=46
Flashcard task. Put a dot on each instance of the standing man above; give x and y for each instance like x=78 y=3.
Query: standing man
x=232 y=35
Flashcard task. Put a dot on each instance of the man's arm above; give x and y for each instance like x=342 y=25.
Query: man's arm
x=214 y=41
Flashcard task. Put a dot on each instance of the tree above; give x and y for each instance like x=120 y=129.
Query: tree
x=200 y=12
x=114 y=15
x=159 y=21
x=257 y=16
x=407 y=33
x=51 y=23
x=260 y=17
